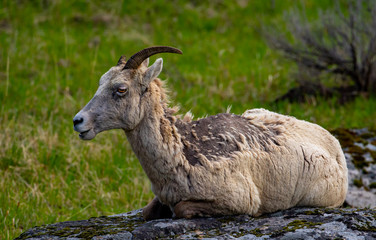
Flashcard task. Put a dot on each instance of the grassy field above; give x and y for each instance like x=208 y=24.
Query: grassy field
x=52 y=54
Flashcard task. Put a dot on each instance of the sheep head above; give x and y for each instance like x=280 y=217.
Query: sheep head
x=119 y=102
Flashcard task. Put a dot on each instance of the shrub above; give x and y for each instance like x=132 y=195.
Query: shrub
x=339 y=46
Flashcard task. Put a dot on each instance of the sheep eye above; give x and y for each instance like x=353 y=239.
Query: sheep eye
x=122 y=90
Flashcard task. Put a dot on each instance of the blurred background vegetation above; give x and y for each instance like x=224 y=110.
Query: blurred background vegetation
x=52 y=54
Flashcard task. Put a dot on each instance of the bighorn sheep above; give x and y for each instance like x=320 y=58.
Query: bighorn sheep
x=226 y=164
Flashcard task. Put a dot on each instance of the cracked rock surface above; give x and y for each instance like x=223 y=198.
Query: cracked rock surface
x=357 y=221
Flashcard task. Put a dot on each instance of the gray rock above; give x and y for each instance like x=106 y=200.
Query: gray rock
x=297 y=223
x=359 y=146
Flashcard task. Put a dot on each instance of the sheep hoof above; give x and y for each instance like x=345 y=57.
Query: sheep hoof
x=156 y=210
x=191 y=209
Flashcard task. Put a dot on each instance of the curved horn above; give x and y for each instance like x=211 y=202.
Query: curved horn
x=121 y=61
x=135 y=61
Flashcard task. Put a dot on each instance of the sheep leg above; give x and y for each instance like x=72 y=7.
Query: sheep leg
x=190 y=209
x=156 y=210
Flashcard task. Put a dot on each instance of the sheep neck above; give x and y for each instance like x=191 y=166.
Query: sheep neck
x=158 y=146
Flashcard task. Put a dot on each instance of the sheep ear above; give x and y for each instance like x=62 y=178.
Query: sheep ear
x=145 y=63
x=152 y=72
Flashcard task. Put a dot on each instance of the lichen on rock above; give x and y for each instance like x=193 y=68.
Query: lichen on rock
x=359 y=146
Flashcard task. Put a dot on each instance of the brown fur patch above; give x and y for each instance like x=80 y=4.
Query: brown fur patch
x=220 y=135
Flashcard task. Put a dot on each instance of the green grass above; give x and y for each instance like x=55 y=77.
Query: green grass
x=52 y=54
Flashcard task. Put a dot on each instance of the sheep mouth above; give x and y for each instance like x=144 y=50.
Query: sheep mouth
x=83 y=133
x=87 y=135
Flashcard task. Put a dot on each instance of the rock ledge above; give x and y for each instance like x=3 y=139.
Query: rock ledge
x=296 y=223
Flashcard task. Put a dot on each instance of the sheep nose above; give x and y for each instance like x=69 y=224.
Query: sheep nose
x=77 y=120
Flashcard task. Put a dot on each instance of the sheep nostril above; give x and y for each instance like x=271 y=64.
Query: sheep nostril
x=77 y=120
